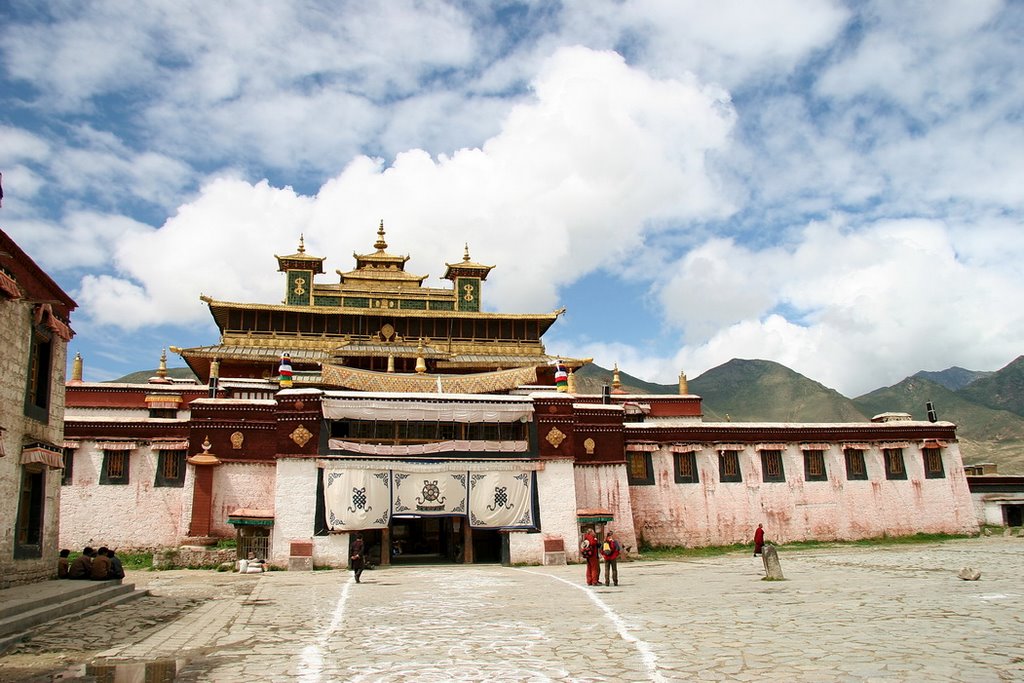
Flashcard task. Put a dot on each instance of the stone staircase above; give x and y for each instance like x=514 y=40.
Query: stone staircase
x=23 y=607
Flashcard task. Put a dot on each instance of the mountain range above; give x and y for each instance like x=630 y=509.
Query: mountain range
x=988 y=407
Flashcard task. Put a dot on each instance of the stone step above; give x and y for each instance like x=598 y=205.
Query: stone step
x=55 y=599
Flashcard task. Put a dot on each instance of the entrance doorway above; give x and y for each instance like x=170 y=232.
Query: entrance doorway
x=426 y=540
x=1013 y=515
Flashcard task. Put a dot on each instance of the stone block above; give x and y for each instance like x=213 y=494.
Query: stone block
x=772 y=566
x=301 y=549
x=969 y=574
x=300 y=564
x=556 y=557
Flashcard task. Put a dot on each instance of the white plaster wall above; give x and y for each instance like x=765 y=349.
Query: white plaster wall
x=240 y=485
x=295 y=513
x=715 y=513
x=134 y=515
x=606 y=487
x=556 y=492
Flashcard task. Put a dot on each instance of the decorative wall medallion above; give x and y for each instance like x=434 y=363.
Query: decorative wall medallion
x=552 y=409
x=236 y=440
x=299 y=405
x=301 y=436
x=589 y=446
x=555 y=437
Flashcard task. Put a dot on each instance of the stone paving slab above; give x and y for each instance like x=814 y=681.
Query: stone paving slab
x=883 y=613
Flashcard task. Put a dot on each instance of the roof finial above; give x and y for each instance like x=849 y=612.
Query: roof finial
x=616 y=382
x=76 y=369
x=302 y=243
x=465 y=254
x=380 y=244
x=161 y=372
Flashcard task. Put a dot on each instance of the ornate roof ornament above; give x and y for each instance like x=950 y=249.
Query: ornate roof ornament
x=380 y=245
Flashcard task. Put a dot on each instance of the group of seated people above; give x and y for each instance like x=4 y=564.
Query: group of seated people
x=95 y=565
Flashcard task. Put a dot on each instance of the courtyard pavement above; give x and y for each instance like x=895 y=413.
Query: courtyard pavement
x=883 y=613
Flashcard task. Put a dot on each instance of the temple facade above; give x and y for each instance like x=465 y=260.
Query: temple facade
x=445 y=433
x=34 y=332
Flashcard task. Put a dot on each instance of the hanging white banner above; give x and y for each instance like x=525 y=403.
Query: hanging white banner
x=501 y=500
x=357 y=499
x=427 y=494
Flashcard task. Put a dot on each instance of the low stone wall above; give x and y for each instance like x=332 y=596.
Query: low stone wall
x=192 y=557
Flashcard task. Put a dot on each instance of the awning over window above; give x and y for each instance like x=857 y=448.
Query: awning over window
x=50 y=456
x=116 y=445
x=251 y=517
x=894 y=444
x=427 y=448
x=644 y=447
x=169 y=445
x=426 y=411
x=9 y=287
x=686 y=447
x=815 y=446
x=729 y=447
x=594 y=516
x=770 y=447
x=857 y=446
x=934 y=443
x=72 y=444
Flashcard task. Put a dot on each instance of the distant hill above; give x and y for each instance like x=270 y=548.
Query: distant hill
x=142 y=376
x=985 y=434
x=765 y=391
x=1003 y=389
x=954 y=378
x=591 y=378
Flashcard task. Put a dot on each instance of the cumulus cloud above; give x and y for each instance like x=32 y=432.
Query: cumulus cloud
x=568 y=185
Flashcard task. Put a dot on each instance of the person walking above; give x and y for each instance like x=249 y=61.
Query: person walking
x=758 y=540
x=356 y=556
x=610 y=551
x=588 y=549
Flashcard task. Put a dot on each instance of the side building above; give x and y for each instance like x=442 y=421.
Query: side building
x=34 y=333
x=439 y=432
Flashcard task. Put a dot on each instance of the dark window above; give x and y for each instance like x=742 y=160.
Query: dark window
x=771 y=466
x=814 y=466
x=638 y=468
x=729 y=466
x=686 y=468
x=933 y=464
x=855 y=464
x=170 y=468
x=69 y=466
x=40 y=373
x=115 y=467
x=168 y=413
x=894 y=468
x=29 y=531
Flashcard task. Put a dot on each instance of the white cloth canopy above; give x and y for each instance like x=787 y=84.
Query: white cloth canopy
x=427 y=411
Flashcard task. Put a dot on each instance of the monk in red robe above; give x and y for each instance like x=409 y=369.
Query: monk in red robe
x=588 y=549
x=758 y=540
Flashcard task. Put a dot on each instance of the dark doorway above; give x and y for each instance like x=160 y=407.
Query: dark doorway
x=29 y=529
x=486 y=546
x=1014 y=515
x=424 y=540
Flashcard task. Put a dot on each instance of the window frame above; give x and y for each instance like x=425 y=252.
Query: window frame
x=67 y=475
x=812 y=456
x=39 y=376
x=120 y=480
x=767 y=476
x=648 y=476
x=929 y=472
x=724 y=457
x=691 y=460
x=162 y=459
x=29 y=526
x=890 y=457
x=851 y=455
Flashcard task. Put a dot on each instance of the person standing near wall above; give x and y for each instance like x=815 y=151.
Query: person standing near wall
x=758 y=540
x=610 y=551
x=588 y=549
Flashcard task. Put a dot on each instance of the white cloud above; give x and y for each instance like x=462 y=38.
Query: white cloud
x=568 y=185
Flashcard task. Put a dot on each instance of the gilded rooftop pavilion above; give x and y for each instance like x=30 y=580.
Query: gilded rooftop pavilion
x=378 y=328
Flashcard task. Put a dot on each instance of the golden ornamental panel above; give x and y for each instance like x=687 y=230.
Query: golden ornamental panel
x=555 y=437
x=301 y=436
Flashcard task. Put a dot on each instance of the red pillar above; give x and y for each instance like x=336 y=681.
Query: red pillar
x=202 y=495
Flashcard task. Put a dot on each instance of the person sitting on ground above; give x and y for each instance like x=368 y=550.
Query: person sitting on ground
x=100 y=569
x=116 y=568
x=81 y=568
x=62 y=564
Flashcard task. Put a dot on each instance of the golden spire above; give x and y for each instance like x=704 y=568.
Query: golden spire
x=302 y=243
x=391 y=362
x=571 y=382
x=616 y=382
x=76 y=369
x=380 y=244
x=684 y=387
x=215 y=368
x=465 y=254
x=161 y=372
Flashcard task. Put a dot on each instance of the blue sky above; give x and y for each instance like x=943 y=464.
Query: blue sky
x=834 y=186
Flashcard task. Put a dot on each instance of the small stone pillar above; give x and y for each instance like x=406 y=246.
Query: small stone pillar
x=202 y=494
x=772 y=566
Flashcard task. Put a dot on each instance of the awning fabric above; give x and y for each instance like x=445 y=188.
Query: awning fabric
x=857 y=446
x=894 y=444
x=47 y=455
x=72 y=444
x=770 y=447
x=170 y=446
x=644 y=447
x=426 y=411
x=934 y=443
x=686 y=448
x=116 y=445
x=428 y=448
x=815 y=446
x=9 y=287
